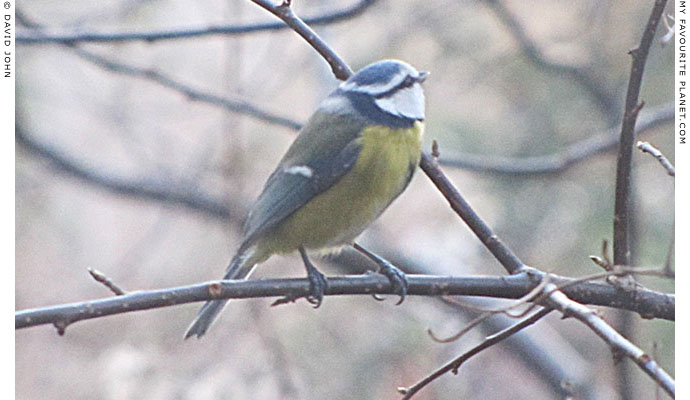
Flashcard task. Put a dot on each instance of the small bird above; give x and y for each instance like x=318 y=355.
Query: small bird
x=353 y=157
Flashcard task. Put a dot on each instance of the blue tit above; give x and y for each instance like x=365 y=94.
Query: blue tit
x=353 y=157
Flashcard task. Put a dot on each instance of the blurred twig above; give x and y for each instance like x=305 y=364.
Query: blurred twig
x=148 y=189
x=236 y=106
x=354 y=10
x=562 y=160
x=535 y=55
x=645 y=147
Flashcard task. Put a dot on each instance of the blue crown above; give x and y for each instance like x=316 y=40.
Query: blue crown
x=379 y=72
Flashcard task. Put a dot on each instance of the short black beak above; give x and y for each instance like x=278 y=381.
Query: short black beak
x=422 y=76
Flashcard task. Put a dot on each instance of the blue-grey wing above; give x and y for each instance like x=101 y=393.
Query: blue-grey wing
x=315 y=162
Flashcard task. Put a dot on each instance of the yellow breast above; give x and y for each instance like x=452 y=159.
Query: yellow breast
x=387 y=159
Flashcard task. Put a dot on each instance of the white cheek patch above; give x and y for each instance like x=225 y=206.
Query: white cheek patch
x=300 y=170
x=375 y=88
x=407 y=102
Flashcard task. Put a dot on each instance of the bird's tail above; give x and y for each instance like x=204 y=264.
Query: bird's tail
x=240 y=267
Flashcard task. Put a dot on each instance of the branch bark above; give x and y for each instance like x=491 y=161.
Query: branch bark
x=649 y=303
x=622 y=209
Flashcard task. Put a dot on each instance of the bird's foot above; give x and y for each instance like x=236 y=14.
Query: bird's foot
x=397 y=278
x=317 y=286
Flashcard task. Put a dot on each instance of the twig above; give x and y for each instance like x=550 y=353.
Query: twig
x=655 y=354
x=283 y=11
x=645 y=147
x=468 y=327
x=107 y=282
x=152 y=36
x=455 y=364
x=670 y=29
x=620 y=346
x=505 y=310
x=562 y=160
x=487 y=313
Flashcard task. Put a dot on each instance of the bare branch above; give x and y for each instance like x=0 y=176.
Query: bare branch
x=153 y=36
x=562 y=160
x=488 y=342
x=645 y=147
x=622 y=209
x=623 y=214
x=283 y=11
x=513 y=286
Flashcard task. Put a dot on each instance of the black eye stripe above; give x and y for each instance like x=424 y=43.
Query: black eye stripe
x=407 y=82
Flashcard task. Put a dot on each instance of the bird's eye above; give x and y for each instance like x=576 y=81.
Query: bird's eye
x=409 y=81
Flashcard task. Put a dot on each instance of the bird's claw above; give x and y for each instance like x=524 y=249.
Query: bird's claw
x=397 y=278
x=317 y=287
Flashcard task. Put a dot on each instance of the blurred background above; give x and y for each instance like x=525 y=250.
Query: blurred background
x=140 y=158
